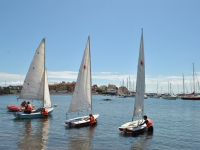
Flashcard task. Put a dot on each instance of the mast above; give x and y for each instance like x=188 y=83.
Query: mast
x=129 y=82
x=157 y=88
x=168 y=87
x=193 y=79
x=127 y=87
x=178 y=88
x=122 y=86
x=144 y=76
x=44 y=74
x=90 y=75
x=183 y=85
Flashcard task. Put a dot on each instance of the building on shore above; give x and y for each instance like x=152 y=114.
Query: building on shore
x=63 y=87
x=122 y=90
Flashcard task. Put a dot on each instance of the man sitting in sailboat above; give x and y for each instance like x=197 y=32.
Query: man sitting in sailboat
x=148 y=123
x=28 y=108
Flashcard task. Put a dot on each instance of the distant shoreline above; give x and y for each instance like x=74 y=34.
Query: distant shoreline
x=56 y=93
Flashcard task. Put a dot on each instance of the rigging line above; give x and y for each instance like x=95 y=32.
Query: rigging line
x=39 y=103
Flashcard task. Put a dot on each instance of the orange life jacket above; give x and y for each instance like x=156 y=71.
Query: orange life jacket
x=29 y=108
x=149 y=124
x=45 y=113
x=92 y=120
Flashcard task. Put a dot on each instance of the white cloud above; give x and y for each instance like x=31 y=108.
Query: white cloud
x=10 y=79
x=62 y=74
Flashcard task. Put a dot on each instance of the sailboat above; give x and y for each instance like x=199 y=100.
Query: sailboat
x=193 y=95
x=133 y=126
x=35 y=86
x=82 y=96
x=169 y=96
x=156 y=95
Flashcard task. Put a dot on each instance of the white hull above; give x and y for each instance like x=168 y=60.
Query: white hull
x=22 y=115
x=133 y=127
x=80 y=121
x=169 y=97
x=156 y=96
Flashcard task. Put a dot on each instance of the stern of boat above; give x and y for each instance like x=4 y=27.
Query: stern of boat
x=50 y=110
x=80 y=121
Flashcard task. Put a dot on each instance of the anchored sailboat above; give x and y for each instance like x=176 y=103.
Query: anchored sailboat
x=133 y=126
x=156 y=95
x=193 y=95
x=82 y=96
x=35 y=86
x=169 y=96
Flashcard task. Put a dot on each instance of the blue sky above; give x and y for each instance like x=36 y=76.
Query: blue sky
x=171 y=40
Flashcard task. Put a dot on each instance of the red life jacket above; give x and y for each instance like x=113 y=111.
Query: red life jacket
x=45 y=113
x=92 y=120
x=149 y=124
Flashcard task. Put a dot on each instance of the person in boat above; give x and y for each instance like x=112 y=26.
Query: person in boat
x=148 y=123
x=92 y=120
x=45 y=112
x=23 y=103
x=28 y=108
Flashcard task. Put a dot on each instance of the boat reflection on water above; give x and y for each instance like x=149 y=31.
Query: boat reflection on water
x=33 y=134
x=139 y=141
x=80 y=138
x=143 y=141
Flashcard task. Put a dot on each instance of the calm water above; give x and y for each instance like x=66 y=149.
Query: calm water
x=176 y=126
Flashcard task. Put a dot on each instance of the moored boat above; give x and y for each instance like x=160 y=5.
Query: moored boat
x=169 y=96
x=15 y=108
x=191 y=97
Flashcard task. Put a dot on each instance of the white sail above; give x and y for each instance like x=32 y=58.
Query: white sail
x=47 y=100
x=81 y=99
x=140 y=83
x=32 y=85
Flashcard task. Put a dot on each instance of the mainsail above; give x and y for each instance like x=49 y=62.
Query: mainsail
x=47 y=100
x=33 y=86
x=140 y=83
x=81 y=99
